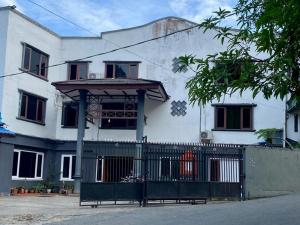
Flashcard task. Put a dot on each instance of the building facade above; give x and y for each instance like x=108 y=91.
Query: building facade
x=45 y=120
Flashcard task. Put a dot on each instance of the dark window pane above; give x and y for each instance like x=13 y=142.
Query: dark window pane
x=83 y=70
x=27 y=164
x=233 y=117
x=66 y=167
x=15 y=164
x=44 y=64
x=99 y=169
x=26 y=60
x=220 y=117
x=296 y=122
x=35 y=62
x=73 y=72
x=246 y=118
x=23 y=105
x=121 y=70
x=214 y=170
x=40 y=110
x=32 y=106
x=165 y=167
x=109 y=71
x=70 y=115
x=133 y=72
x=73 y=165
x=39 y=166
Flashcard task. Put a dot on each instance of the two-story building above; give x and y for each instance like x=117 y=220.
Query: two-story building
x=39 y=103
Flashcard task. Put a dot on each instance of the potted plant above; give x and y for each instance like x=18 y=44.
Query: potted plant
x=14 y=191
x=267 y=134
x=21 y=190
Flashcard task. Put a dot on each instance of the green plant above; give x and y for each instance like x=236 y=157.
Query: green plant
x=266 y=134
x=40 y=187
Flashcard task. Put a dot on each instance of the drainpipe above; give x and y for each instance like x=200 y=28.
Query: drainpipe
x=80 y=136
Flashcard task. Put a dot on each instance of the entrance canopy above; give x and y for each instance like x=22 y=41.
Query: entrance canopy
x=111 y=88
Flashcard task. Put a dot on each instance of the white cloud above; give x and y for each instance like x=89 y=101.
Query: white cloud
x=197 y=10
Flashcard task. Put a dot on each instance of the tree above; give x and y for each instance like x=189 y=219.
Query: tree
x=272 y=28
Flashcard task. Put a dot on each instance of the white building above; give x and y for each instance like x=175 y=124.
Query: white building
x=46 y=122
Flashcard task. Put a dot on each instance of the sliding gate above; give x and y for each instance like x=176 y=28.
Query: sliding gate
x=120 y=171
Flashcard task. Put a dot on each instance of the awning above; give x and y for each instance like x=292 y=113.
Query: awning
x=5 y=132
x=110 y=88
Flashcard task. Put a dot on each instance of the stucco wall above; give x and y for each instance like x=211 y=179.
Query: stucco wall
x=21 y=30
x=6 y=161
x=291 y=134
x=3 y=38
x=271 y=172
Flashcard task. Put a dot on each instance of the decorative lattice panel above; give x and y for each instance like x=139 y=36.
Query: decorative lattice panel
x=178 y=108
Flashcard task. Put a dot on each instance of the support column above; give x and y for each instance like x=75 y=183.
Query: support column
x=80 y=135
x=140 y=115
x=139 y=131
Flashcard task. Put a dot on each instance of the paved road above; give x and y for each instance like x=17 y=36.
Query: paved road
x=284 y=210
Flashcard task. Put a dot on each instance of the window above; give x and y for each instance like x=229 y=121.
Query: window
x=121 y=70
x=230 y=70
x=223 y=170
x=119 y=115
x=69 y=114
x=233 y=117
x=99 y=169
x=27 y=165
x=77 y=70
x=169 y=168
x=32 y=107
x=296 y=122
x=68 y=163
x=35 y=61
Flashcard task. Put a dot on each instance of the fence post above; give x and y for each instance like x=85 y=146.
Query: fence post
x=242 y=173
x=145 y=175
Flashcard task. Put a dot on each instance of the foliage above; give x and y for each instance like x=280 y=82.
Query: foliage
x=40 y=187
x=266 y=134
x=265 y=48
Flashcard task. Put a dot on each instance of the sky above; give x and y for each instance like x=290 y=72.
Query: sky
x=106 y=15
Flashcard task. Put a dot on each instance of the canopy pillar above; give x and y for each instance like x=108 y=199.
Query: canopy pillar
x=80 y=136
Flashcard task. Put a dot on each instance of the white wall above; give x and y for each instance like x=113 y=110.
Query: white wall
x=156 y=64
x=21 y=30
x=3 y=38
x=291 y=134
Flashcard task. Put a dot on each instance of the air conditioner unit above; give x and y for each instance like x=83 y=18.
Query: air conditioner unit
x=92 y=76
x=206 y=136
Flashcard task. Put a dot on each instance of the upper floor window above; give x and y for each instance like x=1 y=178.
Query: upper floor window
x=234 y=117
x=119 y=116
x=121 y=70
x=32 y=107
x=35 y=61
x=69 y=114
x=231 y=71
x=77 y=70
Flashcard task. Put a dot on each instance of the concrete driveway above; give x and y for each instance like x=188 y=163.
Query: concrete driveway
x=283 y=210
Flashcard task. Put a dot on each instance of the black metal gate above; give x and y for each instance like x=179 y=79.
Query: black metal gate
x=131 y=171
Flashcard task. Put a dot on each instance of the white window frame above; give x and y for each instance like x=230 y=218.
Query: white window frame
x=170 y=166
x=70 y=167
x=102 y=168
x=229 y=169
x=35 y=169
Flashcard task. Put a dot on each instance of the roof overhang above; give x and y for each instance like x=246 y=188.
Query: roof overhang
x=112 y=88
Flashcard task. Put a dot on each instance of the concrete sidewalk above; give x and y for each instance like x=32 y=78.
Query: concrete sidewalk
x=45 y=209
